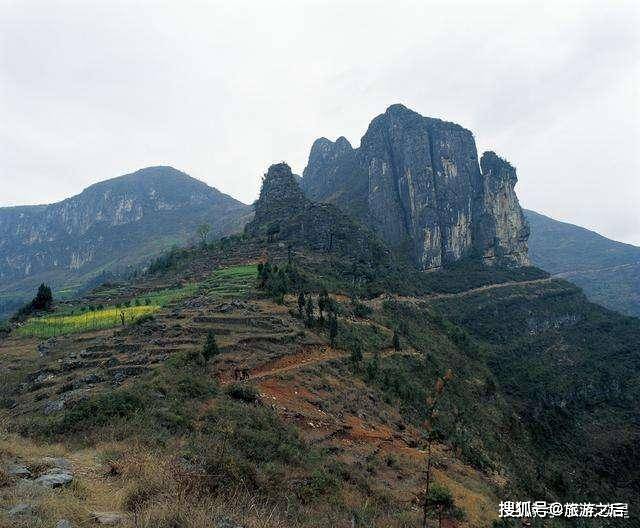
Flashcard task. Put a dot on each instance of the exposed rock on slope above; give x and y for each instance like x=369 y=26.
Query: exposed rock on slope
x=417 y=182
x=282 y=212
x=112 y=223
x=502 y=229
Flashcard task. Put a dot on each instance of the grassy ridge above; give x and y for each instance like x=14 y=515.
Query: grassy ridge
x=228 y=282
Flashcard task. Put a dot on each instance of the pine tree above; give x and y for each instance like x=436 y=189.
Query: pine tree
x=323 y=302
x=210 y=348
x=301 y=302
x=441 y=499
x=356 y=354
x=43 y=299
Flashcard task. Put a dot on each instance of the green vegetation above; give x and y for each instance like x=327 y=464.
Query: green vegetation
x=54 y=325
x=43 y=301
x=235 y=443
x=569 y=369
x=277 y=281
x=210 y=348
x=231 y=282
x=224 y=283
x=243 y=392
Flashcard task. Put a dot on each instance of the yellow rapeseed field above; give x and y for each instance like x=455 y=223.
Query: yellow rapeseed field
x=90 y=320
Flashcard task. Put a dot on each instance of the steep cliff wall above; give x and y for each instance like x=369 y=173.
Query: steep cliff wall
x=417 y=182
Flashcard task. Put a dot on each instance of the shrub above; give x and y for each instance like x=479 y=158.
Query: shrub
x=243 y=392
x=210 y=348
x=100 y=410
x=360 y=310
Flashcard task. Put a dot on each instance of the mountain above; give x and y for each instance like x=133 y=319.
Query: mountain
x=109 y=226
x=608 y=271
x=282 y=212
x=417 y=182
x=299 y=376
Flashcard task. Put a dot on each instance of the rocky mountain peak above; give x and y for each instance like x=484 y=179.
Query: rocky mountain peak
x=280 y=194
x=417 y=182
x=496 y=168
x=284 y=213
x=111 y=224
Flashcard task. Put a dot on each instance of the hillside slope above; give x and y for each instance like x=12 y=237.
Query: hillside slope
x=608 y=271
x=270 y=381
x=109 y=226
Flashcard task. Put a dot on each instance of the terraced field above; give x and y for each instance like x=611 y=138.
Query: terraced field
x=231 y=282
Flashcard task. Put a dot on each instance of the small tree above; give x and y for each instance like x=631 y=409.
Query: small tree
x=323 y=303
x=210 y=348
x=396 y=341
x=356 y=354
x=203 y=233
x=301 y=302
x=432 y=402
x=309 y=311
x=373 y=366
x=441 y=500
x=333 y=328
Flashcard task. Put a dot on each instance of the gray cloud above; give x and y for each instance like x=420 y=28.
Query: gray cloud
x=91 y=90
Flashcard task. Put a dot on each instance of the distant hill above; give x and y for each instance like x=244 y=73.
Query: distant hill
x=109 y=226
x=608 y=271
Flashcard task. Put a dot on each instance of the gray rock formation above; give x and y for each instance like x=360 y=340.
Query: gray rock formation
x=502 y=230
x=283 y=213
x=417 y=182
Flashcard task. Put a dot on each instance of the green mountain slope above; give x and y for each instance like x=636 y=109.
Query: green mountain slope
x=608 y=271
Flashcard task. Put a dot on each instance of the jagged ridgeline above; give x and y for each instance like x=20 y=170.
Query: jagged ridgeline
x=416 y=181
x=284 y=213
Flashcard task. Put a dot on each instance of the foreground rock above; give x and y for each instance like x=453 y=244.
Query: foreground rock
x=108 y=518
x=54 y=480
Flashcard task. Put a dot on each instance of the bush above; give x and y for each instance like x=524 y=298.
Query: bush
x=210 y=348
x=243 y=392
x=100 y=410
x=146 y=318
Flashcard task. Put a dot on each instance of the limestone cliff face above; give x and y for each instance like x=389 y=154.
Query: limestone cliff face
x=502 y=230
x=417 y=182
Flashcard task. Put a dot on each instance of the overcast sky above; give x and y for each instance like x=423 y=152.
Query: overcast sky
x=92 y=90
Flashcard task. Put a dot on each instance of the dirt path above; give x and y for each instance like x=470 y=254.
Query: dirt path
x=377 y=302
x=307 y=358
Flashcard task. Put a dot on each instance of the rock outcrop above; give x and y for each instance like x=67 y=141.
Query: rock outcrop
x=284 y=214
x=502 y=229
x=417 y=182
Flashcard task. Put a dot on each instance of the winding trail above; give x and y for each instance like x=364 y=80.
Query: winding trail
x=377 y=302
